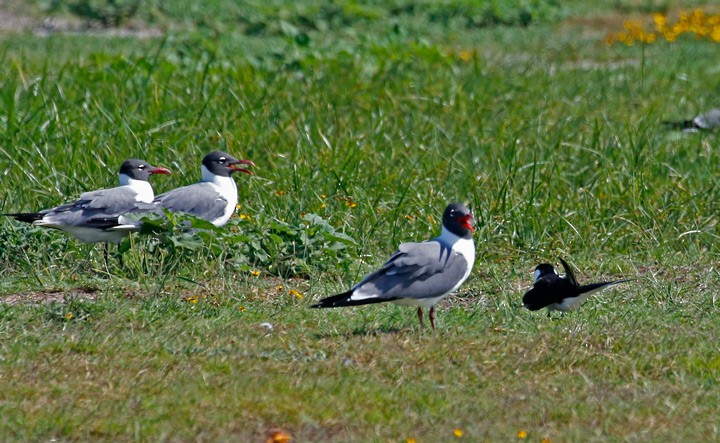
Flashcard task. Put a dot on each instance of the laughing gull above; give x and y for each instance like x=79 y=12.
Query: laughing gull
x=75 y=218
x=419 y=274
x=557 y=293
x=709 y=120
x=214 y=198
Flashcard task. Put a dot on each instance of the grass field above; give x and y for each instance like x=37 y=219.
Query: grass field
x=364 y=119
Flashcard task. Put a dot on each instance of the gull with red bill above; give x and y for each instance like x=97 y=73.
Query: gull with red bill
x=76 y=218
x=213 y=198
x=419 y=274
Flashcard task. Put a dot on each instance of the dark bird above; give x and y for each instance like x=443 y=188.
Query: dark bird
x=76 y=218
x=557 y=293
x=419 y=274
x=709 y=120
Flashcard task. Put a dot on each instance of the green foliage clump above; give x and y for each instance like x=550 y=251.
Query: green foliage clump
x=282 y=248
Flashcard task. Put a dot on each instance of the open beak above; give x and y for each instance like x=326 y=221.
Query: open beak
x=158 y=170
x=234 y=168
x=467 y=222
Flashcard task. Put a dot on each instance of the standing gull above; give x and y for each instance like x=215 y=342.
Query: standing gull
x=419 y=274
x=76 y=218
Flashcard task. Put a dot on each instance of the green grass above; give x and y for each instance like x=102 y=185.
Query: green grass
x=553 y=138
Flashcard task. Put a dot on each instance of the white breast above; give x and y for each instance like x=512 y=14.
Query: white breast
x=227 y=188
x=462 y=246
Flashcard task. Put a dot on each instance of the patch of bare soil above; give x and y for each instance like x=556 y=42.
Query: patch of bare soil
x=12 y=22
x=50 y=296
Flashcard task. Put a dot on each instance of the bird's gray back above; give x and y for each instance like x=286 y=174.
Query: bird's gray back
x=416 y=270
x=200 y=199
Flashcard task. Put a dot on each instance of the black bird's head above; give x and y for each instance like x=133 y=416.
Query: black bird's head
x=542 y=270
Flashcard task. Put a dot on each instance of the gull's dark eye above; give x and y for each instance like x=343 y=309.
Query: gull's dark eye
x=222 y=160
x=141 y=167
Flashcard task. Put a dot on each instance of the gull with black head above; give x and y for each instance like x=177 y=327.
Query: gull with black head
x=213 y=198
x=419 y=274
x=76 y=218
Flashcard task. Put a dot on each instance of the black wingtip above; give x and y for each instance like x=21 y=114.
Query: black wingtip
x=334 y=301
x=26 y=217
x=342 y=300
x=680 y=125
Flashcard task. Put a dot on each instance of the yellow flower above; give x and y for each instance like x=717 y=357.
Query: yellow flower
x=254 y=273
x=194 y=299
x=457 y=432
x=522 y=434
x=410 y=440
x=279 y=193
x=545 y=440
x=295 y=293
x=242 y=308
x=660 y=21
x=279 y=287
x=323 y=196
x=69 y=316
x=715 y=34
x=466 y=55
x=350 y=204
x=409 y=217
x=244 y=216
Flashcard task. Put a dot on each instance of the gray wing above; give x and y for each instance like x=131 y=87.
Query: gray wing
x=201 y=200
x=415 y=270
x=101 y=203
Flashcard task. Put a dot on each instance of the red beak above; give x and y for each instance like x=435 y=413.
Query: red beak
x=242 y=162
x=467 y=222
x=158 y=170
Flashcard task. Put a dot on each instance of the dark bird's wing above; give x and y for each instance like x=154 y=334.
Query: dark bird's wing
x=595 y=287
x=547 y=290
x=569 y=273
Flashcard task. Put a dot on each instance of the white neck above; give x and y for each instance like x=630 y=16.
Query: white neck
x=464 y=246
x=143 y=189
x=227 y=188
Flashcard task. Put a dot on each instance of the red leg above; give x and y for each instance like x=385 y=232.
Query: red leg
x=420 y=317
x=432 y=317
